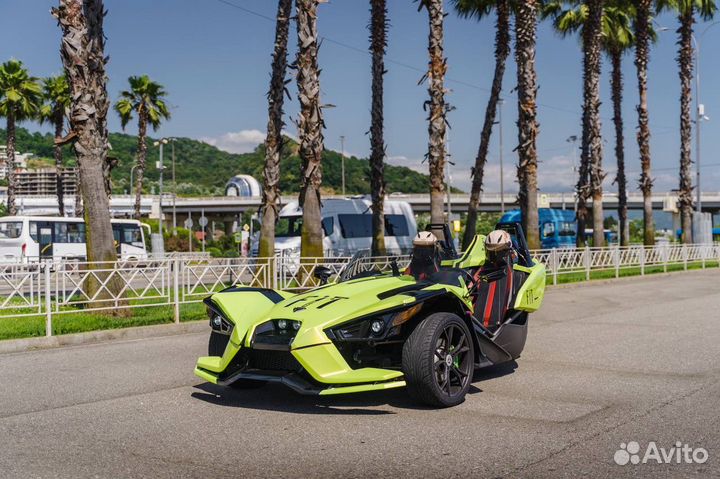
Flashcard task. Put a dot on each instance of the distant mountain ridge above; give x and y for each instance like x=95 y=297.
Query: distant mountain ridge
x=202 y=169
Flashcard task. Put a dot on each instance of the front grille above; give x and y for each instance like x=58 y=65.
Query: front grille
x=269 y=360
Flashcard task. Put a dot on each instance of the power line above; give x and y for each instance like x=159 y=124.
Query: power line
x=416 y=69
x=247 y=10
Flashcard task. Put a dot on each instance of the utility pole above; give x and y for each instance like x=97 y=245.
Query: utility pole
x=447 y=175
x=700 y=113
x=174 y=213
x=162 y=142
x=573 y=141
x=160 y=167
x=342 y=161
x=132 y=184
x=500 y=137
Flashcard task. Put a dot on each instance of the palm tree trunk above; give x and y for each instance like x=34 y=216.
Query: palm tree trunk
x=12 y=177
x=59 y=123
x=79 y=210
x=141 y=159
x=620 y=179
x=83 y=56
x=502 y=50
x=642 y=57
x=685 y=62
x=592 y=130
x=310 y=125
x=437 y=122
x=525 y=30
x=378 y=43
x=274 y=140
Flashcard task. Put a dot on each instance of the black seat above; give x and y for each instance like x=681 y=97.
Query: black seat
x=451 y=276
x=424 y=263
x=496 y=290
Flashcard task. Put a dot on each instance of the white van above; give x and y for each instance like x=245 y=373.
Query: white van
x=26 y=239
x=347 y=224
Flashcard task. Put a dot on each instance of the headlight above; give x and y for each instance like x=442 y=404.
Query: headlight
x=218 y=322
x=275 y=334
x=377 y=327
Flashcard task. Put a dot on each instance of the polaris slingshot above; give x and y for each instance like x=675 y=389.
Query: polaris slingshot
x=428 y=327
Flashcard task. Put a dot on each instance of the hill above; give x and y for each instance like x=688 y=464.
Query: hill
x=202 y=169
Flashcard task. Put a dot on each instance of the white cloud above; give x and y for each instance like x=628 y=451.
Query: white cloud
x=243 y=141
x=412 y=163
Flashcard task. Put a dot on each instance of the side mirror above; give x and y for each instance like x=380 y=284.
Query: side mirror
x=322 y=273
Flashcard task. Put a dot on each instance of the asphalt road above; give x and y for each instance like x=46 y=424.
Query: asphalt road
x=606 y=364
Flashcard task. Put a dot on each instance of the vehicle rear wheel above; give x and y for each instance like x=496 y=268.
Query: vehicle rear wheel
x=438 y=360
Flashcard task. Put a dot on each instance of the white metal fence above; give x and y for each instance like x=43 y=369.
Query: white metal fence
x=55 y=289
x=625 y=260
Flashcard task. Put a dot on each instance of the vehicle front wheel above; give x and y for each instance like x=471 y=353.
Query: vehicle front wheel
x=438 y=360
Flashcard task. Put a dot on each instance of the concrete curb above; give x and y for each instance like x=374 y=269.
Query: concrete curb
x=91 y=337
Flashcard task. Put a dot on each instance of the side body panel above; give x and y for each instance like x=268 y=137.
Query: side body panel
x=532 y=292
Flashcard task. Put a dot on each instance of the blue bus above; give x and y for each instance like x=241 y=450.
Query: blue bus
x=557 y=227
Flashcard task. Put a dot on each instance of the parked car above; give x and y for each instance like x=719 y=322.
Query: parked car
x=347 y=225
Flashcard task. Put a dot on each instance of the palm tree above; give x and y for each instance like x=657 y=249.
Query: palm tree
x=643 y=29
x=378 y=44
x=587 y=16
x=274 y=140
x=310 y=125
x=592 y=128
x=56 y=93
x=437 y=66
x=479 y=9
x=686 y=10
x=20 y=99
x=617 y=38
x=83 y=55
x=525 y=37
x=146 y=98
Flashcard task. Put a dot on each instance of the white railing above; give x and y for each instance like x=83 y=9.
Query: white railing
x=585 y=261
x=55 y=289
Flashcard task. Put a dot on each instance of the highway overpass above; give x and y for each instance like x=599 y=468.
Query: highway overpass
x=122 y=205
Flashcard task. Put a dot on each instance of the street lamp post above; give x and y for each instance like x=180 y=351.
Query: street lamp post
x=573 y=141
x=699 y=113
x=160 y=167
x=448 y=178
x=500 y=137
x=342 y=162
x=174 y=212
x=132 y=170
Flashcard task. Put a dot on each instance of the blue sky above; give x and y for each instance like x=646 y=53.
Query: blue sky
x=214 y=60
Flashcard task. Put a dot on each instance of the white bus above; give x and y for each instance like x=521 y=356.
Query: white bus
x=26 y=239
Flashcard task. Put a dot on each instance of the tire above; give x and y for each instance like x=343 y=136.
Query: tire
x=217 y=344
x=432 y=378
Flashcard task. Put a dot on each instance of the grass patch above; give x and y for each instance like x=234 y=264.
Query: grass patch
x=78 y=321
x=624 y=272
